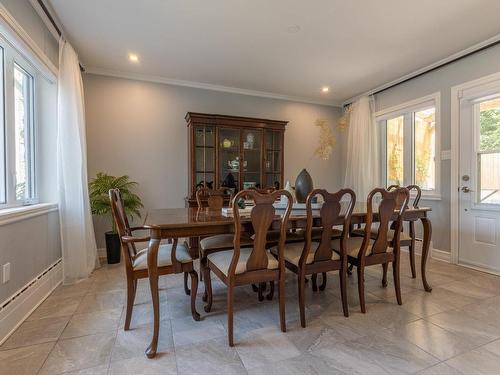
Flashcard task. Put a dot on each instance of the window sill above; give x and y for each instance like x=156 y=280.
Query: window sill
x=13 y=214
x=430 y=197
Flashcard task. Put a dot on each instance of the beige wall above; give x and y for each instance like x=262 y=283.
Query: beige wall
x=138 y=128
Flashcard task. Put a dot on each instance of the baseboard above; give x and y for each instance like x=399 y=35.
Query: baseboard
x=16 y=309
x=441 y=255
x=480 y=267
x=101 y=253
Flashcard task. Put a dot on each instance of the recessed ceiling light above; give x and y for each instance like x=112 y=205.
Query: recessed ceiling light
x=293 y=29
x=133 y=57
x=325 y=89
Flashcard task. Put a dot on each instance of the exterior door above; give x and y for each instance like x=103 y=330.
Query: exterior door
x=479 y=186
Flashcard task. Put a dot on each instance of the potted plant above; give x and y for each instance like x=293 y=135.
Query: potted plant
x=100 y=205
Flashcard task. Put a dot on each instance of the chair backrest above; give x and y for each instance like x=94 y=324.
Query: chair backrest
x=212 y=199
x=266 y=190
x=261 y=217
x=122 y=224
x=330 y=212
x=417 y=196
x=390 y=209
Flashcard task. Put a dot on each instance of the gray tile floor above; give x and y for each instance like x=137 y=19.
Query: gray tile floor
x=453 y=330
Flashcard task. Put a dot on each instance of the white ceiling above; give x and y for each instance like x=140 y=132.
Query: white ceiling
x=351 y=46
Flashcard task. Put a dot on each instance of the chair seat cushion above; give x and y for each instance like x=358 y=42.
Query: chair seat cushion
x=222 y=260
x=164 y=256
x=390 y=234
x=223 y=242
x=353 y=246
x=293 y=252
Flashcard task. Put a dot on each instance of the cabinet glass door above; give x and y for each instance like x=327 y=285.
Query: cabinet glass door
x=229 y=158
x=204 y=156
x=252 y=161
x=272 y=158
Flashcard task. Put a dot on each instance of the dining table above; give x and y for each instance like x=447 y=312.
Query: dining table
x=178 y=223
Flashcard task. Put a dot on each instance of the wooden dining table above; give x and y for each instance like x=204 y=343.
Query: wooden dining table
x=175 y=223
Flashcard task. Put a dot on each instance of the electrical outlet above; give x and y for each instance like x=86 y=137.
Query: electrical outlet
x=5 y=273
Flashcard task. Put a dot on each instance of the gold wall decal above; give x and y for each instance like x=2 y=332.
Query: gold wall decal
x=343 y=122
x=326 y=140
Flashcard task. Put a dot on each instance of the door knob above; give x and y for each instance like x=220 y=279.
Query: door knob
x=466 y=189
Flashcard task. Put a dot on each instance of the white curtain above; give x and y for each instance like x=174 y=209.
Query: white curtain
x=79 y=251
x=363 y=166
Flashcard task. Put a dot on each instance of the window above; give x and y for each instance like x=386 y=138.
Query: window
x=488 y=151
x=23 y=134
x=410 y=147
x=17 y=135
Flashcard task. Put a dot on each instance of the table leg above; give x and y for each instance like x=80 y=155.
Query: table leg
x=425 y=251
x=154 y=245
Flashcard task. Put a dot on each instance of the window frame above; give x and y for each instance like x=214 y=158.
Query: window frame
x=476 y=169
x=408 y=110
x=11 y=58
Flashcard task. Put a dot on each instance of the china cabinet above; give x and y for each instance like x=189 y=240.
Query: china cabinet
x=233 y=152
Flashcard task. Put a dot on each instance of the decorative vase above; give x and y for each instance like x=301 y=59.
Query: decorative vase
x=303 y=186
x=289 y=188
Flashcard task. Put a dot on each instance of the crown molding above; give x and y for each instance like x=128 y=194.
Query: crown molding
x=205 y=86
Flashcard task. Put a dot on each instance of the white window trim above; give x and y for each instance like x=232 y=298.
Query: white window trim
x=14 y=214
x=410 y=106
x=11 y=58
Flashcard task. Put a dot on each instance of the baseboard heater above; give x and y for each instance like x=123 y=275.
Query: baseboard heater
x=17 y=308
x=29 y=285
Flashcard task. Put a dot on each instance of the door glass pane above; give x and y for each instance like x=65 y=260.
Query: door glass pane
x=200 y=159
x=23 y=133
x=425 y=148
x=395 y=141
x=277 y=181
x=204 y=156
x=277 y=140
x=252 y=142
x=229 y=158
x=199 y=135
x=489 y=152
x=209 y=159
x=209 y=137
x=489 y=180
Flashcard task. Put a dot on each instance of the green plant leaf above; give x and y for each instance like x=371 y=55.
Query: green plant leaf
x=99 y=194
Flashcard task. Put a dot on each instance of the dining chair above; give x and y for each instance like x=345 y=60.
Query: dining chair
x=171 y=257
x=407 y=239
x=317 y=256
x=253 y=265
x=215 y=200
x=272 y=239
x=371 y=250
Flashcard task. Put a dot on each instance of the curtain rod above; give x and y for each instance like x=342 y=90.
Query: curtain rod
x=489 y=45
x=53 y=22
